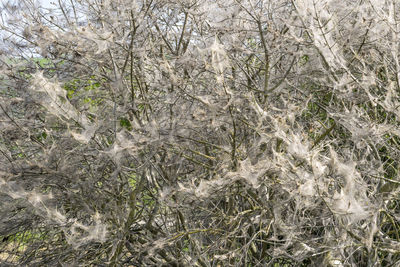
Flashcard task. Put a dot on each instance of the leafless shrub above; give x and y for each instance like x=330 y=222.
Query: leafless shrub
x=200 y=133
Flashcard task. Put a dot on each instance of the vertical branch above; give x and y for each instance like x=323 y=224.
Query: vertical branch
x=266 y=58
x=233 y=141
x=182 y=33
x=63 y=11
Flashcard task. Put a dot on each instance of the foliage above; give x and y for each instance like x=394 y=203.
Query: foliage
x=200 y=133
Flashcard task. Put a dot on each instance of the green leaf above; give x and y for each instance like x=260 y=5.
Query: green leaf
x=125 y=123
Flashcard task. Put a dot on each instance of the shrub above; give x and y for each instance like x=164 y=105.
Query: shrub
x=200 y=133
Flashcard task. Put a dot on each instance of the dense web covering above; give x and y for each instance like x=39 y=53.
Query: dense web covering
x=200 y=133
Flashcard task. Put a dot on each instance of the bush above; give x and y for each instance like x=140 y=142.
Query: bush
x=200 y=133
